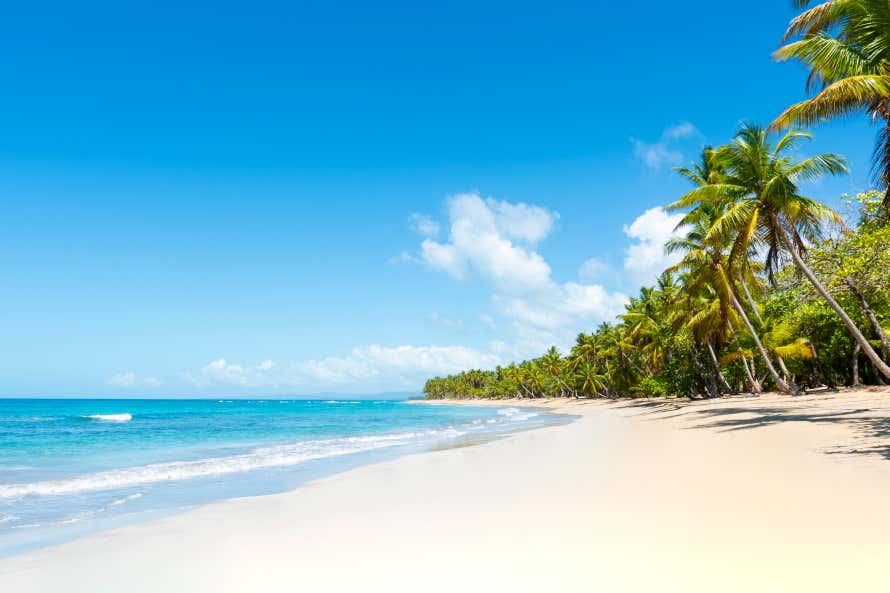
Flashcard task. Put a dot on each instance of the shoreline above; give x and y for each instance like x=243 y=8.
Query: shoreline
x=464 y=431
x=771 y=494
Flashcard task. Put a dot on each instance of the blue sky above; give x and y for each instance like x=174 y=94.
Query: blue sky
x=269 y=198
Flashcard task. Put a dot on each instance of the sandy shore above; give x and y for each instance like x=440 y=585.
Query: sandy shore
x=768 y=494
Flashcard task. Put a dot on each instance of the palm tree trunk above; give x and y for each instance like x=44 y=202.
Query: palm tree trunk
x=870 y=353
x=755 y=386
x=717 y=366
x=820 y=377
x=782 y=366
x=872 y=318
x=750 y=300
x=645 y=373
x=855 y=366
x=780 y=383
x=753 y=304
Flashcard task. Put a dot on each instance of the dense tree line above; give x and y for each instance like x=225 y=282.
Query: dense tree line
x=774 y=290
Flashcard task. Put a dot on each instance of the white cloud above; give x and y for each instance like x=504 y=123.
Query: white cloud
x=404 y=258
x=645 y=258
x=221 y=371
x=558 y=317
x=664 y=152
x=518 y=221
x=401 y=363
x=424 y=225
x=593 y=268
x=590 y=301
x=493 y=241
x=129 y=379
x=681 y=130
x=481 y=239
x=366 y=368
x=657 y=155
x=444 y=257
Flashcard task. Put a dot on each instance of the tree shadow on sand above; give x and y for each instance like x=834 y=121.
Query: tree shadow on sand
x=871 y=433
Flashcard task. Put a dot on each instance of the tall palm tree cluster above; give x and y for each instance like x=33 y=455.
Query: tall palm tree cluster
x=773 y=290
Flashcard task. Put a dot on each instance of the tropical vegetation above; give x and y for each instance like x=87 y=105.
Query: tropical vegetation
x=846 y=46
x=772 y=289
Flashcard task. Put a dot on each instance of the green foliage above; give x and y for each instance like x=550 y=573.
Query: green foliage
x=734 y=314
x=661 y=345
x=652 y=386
x=846 y=46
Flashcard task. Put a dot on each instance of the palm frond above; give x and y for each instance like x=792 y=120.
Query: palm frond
x=846 y=96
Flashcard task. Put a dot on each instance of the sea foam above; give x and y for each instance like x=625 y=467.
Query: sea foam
x=110 y=417
x=516 y=415
x=259 y=458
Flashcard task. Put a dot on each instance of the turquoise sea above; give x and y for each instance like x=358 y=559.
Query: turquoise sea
x=72 y=467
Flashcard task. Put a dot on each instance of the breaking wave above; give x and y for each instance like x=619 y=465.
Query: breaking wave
x=110 y=417
x=259 y=458
x=516 y=415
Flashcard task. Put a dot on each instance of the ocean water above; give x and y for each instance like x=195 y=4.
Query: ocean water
x=73 y=467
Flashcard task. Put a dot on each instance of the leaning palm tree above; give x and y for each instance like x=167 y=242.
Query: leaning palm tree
x=704 y=315
x=767 y=212
x=706 y=264
x=846 y=46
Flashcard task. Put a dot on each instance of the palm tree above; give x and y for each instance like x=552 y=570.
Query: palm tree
x=552 y=364
x=586 y=349
x=707 y=170
x=705 y=315
x=589 y=380
x=618 y=347
x=846 y=46
x=766 y=210
x=706 y=263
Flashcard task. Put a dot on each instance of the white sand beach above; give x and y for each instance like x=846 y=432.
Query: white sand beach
x=768 y=494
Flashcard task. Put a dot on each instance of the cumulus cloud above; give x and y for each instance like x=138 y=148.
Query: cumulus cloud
x=363 y=369
x=129 y=379
x=403 y=364
x=645 y=258
x=665 y=151
x=481 y=240
x=221 y=371
x=444 y=257
x=516 y=221
x=495 y=241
